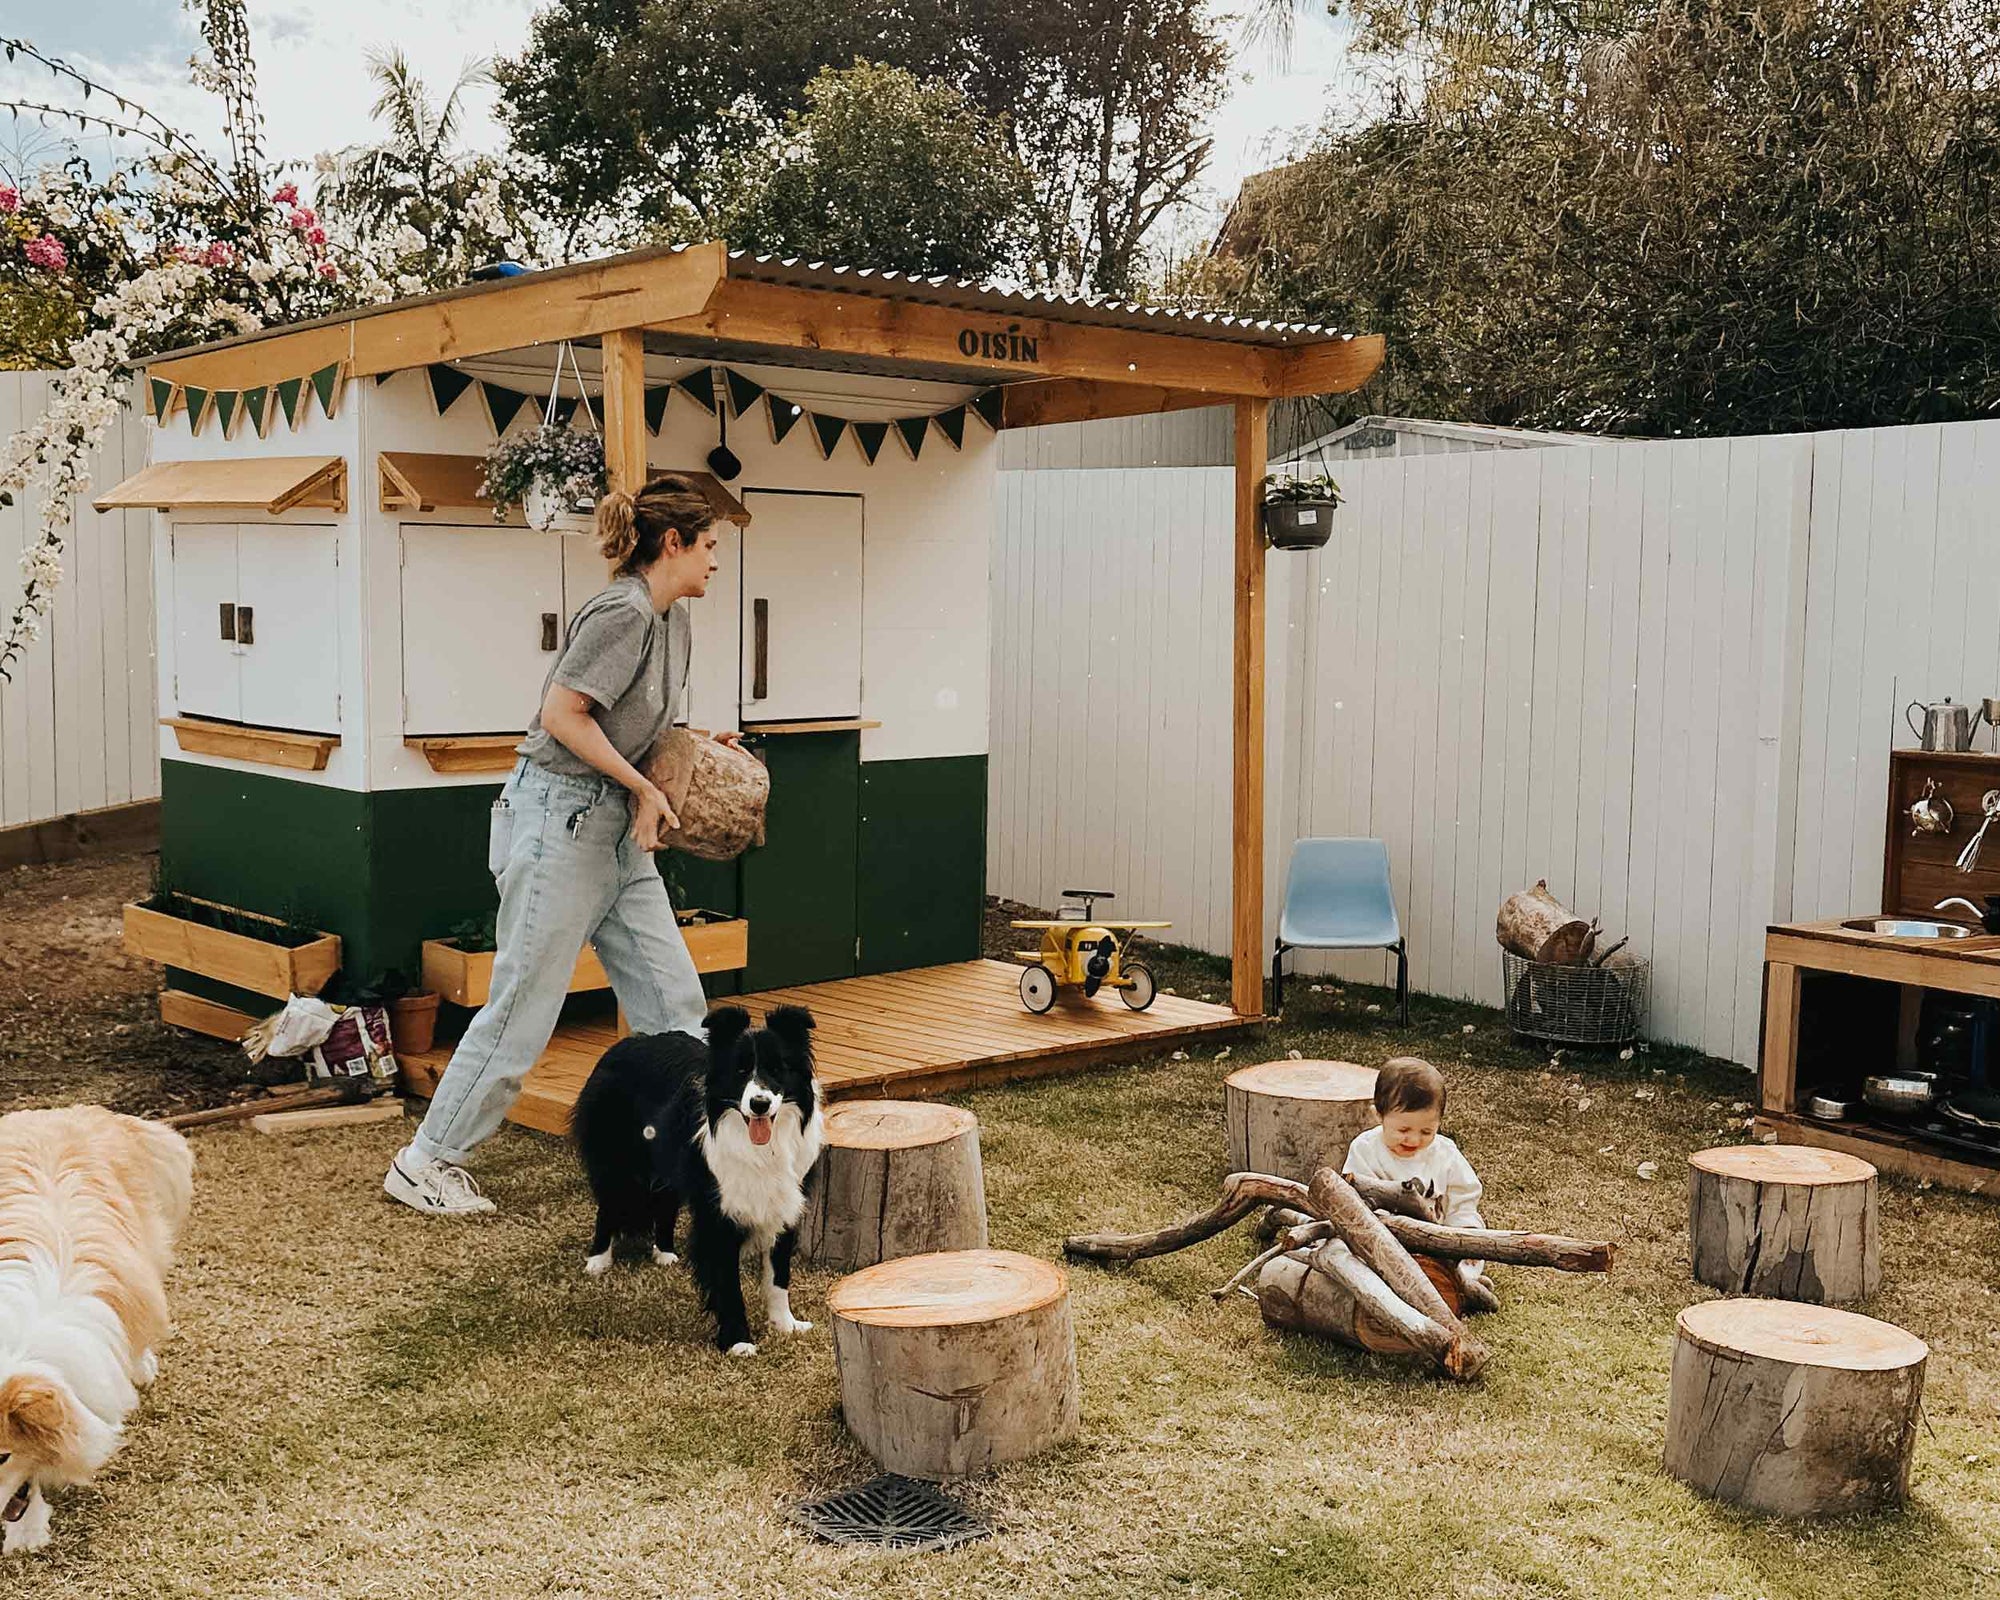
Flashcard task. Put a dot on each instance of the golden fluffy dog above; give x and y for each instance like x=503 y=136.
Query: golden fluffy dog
x=91 y=1203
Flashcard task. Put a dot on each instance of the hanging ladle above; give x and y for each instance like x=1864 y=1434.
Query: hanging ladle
x=1989 y=803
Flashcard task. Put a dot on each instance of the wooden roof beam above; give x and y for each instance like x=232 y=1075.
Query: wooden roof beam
x=1337 y=366
x=1033 y=404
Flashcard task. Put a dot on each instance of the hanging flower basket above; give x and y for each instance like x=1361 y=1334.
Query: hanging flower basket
x=555 y=475
x=1298 y=512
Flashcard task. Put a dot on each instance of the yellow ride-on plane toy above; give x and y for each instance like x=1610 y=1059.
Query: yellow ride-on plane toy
x=1080 y=952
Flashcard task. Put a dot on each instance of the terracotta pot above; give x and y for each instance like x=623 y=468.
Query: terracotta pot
x=413 y=1023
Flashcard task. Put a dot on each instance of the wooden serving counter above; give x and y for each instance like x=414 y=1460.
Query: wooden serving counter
x=1841 y=1004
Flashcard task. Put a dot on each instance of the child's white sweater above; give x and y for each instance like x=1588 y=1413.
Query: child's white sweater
x=1439 y=1164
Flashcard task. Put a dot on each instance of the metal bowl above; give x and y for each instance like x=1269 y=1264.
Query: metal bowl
x=1830 y=1108
x=1903 y=1094
x=1911 y=928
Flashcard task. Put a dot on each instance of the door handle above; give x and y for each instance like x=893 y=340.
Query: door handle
x=760 y=661
x=245 y=631
x=229 y=621
x=548 y=630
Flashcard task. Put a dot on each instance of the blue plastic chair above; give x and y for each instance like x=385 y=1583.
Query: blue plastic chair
x=1337 y=897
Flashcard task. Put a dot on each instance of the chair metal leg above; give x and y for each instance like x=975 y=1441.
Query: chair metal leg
x=1278 y=978
x=1402 y=982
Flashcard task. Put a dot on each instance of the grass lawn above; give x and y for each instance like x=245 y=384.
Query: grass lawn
x=363 y=1402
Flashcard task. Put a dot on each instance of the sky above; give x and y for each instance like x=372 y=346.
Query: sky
x=316 y=94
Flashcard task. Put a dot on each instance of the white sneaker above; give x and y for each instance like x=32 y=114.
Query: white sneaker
x=436 y=1188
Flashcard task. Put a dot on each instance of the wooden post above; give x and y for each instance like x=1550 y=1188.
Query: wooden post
x=1778 y=1068
x=625 y=409
x=1246 y=811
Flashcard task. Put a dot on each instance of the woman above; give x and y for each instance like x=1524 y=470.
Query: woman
x=573 y=836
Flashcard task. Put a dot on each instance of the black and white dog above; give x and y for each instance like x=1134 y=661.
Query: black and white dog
x=730 y=1130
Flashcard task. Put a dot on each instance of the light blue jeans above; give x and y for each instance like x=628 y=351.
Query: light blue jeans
x=561 y=851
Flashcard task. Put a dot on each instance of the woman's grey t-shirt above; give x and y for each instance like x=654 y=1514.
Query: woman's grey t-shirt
x=629 y=659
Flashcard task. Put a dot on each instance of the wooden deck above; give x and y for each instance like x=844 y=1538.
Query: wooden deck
x=929 y=1031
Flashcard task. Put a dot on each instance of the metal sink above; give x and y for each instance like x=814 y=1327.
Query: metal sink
x=1910 y=928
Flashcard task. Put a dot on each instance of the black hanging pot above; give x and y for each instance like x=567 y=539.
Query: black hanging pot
x=1298 y=524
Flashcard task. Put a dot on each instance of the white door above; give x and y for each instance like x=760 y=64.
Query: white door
x=483 y=620
x=716 y=636
x=801 y=607
x=288 y=625
x=207 y=682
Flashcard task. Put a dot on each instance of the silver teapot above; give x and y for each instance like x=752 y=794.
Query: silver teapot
x=1946 y=725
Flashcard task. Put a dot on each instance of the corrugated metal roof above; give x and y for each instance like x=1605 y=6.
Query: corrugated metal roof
x=968 y=295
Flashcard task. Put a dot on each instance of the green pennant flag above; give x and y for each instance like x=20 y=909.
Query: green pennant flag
x=290 y=392
x=989 y=404
x=785 y=416
x=226 y=402
x=383 y=377
x=656 y=407
x=197 y=404
x=326 y=384
x=870 y=436
x=952 y=425
x=447 y=384
x=502 y=405
x=254 y=405
x=743 y=392
x=912 y=430
x=827 y=430
x=163 y=397
x=699 y=386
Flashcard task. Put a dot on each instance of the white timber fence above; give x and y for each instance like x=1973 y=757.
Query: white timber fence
x=77 y=728
x=1665 y=676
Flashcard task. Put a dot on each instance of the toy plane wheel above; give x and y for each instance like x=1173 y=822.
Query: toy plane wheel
x=1140 y=988
x=1038 y=988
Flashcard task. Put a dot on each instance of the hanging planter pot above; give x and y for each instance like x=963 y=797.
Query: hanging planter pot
x=1298 y=512
x=555 y=474
x=548 y=510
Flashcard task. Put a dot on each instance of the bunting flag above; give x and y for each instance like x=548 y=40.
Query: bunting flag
x=952 y=425
x=290 y=392
x=827 y=431
x=785 y=416
x=447 y=384
x=256 y=408
x=502 y=405
x=162 y=392
x=870 y=436
x=699 y=386
x=656 y=408
x=743 y=392
x=227 y=404
x=197 y=404
x=326 y=385
x=989 y=404
x=913 y=431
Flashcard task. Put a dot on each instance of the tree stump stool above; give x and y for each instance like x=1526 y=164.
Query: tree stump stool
x=1798 y=1410
x=1784 y=1220
x=896 y=1178
x=955 y=1362
x=1290 y=1118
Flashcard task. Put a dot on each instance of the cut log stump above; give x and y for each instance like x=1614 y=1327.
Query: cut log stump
x=1290 y=1118
x=896 y=1178
x=955 y=1362
x=1786 y=1221
x=1797 y=1410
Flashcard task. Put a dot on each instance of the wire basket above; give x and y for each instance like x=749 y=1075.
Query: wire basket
x=1576 y=1005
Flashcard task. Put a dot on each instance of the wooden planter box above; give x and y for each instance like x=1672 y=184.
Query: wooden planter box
x=465 y=977
x=233 y=958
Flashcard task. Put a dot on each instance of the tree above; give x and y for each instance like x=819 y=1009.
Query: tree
x=885 y=169
x=641 y=114
x=1659 y=216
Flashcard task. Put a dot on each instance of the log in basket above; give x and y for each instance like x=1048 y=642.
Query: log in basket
x=1581 y=1005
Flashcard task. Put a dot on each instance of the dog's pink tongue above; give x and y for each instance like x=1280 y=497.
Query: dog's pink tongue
x=760 y=1130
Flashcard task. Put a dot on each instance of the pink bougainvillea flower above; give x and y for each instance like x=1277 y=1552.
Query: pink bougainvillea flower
x=218 y=254
x=46 y=252
x=10 y=199
x=303 y=217
x=286 y=194
x=328 y=270
x=316 y=235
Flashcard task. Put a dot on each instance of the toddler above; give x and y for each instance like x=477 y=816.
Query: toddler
x=1409 y=1098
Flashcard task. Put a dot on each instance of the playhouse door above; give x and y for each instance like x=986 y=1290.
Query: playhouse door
x=288 y=608
x=208 y=681
x=482 y=621
x=801 y=607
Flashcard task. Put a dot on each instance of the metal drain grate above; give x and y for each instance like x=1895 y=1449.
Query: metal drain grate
x=893 y=1513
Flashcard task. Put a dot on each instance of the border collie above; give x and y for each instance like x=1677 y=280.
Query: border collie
x=731 y=1130
x=90 y=1206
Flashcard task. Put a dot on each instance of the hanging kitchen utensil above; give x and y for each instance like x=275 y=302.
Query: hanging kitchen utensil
x=722 y=461
x=1930 y=812
x=1947 y=726
x=1989 y=713
x=1989 y=803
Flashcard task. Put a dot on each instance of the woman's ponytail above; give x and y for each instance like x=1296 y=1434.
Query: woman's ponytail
x=617 y=527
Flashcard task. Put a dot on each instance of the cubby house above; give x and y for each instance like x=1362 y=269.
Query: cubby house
x=350 y=641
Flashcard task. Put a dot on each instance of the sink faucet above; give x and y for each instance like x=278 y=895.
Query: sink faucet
x=1988 y=919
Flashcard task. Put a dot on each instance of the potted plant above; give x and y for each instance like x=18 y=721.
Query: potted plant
x=1298 y=512
x=554 y=474
x=413 y=1012
x=275 y=956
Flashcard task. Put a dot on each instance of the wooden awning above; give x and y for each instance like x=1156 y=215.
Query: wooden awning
x=242 y=483
x=416 y=481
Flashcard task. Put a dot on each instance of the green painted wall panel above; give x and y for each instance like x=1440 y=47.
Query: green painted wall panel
x=799 y=885
x=922 y=888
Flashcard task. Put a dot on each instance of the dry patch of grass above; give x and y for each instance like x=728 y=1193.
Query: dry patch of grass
x=364 y=1402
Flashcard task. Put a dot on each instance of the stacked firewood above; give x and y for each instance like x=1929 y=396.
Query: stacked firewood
x=1536 y=926
x=1345 y=1263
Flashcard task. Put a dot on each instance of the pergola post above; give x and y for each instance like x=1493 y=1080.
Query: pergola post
x=1246 y=809
x=625 y=409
